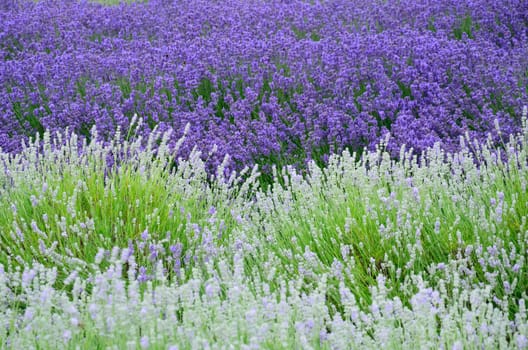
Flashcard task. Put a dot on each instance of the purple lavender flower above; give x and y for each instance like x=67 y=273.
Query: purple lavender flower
x=282 y=86
x=522 y=341
x=154 y=252
x=144 y=342
x=142 y=277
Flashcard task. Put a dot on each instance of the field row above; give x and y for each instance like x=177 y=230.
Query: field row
x=156 y=252
x=267 y=82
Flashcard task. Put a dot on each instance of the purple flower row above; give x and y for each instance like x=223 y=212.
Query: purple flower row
x=269 y=81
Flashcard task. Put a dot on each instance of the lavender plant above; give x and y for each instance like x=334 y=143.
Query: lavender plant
x=427 y=253
x=319 y=175
x=267 y=82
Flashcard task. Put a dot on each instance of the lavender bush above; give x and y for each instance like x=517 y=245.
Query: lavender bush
x=367 y=254
x=263 y=174
x=267 y=82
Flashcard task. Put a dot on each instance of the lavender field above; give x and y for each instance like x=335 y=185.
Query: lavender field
x=342 y=174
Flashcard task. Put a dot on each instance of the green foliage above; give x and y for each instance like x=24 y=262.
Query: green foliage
x=466 y=27
x=337 y=240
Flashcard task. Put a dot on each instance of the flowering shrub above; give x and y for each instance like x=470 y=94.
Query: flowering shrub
x=156 y=253
x=319 y=175
x=266 y=82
